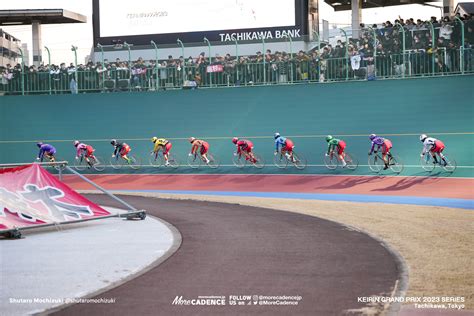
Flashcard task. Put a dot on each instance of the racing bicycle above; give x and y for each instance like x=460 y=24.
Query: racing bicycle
x=119 y=161
x=428 y=163
x=332 y=161
x=93 y=161
x=240 y=160
x=157 y=160
x=376 y=162
x=196 y=160
x=282 y=160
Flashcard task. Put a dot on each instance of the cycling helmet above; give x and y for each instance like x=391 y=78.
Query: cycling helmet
x=423 y=137
x=191 y=139
x=372 y=136
x=235 y=140
x=113 y=142
x=39 y=144
x=154 y=139
x=277 y=135
x=76 y=142
x=328 y=138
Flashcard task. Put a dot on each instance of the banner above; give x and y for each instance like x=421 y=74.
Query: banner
x=215 y=68
x=29 y=195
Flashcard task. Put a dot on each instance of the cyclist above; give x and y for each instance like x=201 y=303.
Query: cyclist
x=381 y=143
x=161 y=143
x=286 y=146
x=433 y=146
x=121 y=148
x=84 y=149
x=244 y=147
x=46 y=150
x=340 y=145
x=198 y=143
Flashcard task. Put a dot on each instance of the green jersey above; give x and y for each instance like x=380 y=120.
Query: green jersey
x=332 y=144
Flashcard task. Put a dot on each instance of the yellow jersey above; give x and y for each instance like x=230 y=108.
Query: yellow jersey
x=160 y=142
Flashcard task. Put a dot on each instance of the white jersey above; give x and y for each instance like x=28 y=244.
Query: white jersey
x=428 y=144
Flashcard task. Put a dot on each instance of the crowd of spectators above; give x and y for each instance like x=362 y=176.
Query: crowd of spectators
x=366 y=57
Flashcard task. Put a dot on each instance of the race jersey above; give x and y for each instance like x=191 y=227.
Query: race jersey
x=46 y=148
x=280 y=141
x=377 y=141
x=80 y=147
x=160 y=142
x=332 y=144
x=243 y=144
x=428 y=144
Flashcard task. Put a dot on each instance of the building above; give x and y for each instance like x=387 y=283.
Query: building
x=9 y=49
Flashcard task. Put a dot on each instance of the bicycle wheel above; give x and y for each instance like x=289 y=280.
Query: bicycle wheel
x=258 y=161
x=213 y=161
x=331 y=161
x=173 y=161
x=375 y=163
x=280 y=161
x=117 y=162
x=299 y=161
x=396 y=165
x=352 y=162
x=135 y=162
x=450 y=164
x=239 y=160
x=427 y=163
x=98 y=164
x=194 y=161
x=80 y=164
x=60 y=167
x=156 y=160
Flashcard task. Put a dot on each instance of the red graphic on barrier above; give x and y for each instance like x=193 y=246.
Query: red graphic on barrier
x=30 y=195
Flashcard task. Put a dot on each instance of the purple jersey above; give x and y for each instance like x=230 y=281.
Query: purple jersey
x=46 y=148
x=377 y=141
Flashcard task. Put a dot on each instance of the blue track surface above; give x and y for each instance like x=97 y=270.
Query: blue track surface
x=411 y=200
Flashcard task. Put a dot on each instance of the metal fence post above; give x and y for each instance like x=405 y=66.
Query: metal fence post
x=129 y=65
x=264 y=62
x=103 y=64
x=403 y=51
x=74 y=49
x=375 y=50
x=432 y=46
x=22 y=71
x=461 y=48
x=318 y=64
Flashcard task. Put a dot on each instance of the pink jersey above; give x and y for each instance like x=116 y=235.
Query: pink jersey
x=80 y=147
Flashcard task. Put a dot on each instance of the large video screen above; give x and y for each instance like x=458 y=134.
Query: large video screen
x=139 y=17
x=164 y=21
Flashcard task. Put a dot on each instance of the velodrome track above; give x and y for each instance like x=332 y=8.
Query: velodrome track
x=238 y=250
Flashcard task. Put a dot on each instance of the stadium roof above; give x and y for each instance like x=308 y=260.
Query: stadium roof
x=342 y=5
x=45 y=16
x=465 y=8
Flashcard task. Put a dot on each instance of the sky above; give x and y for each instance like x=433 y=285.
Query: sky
x=60 y=38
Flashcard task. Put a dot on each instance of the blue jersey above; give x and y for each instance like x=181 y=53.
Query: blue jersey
x=46 y=148
x=280 y=141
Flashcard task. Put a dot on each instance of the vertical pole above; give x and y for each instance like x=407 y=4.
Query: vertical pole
x=237 y=65
x=102 y=60
x=461 y=48
x=319 y=53
x=375 y=50
x=129 y=65
x=180 y=43
x=74 y=49
x=347 y=53
x=156 y=63
x=432 y=46
x=22 y=71
x=49 y=65
x=210 y=58
x=403 y=44
x=264 y=62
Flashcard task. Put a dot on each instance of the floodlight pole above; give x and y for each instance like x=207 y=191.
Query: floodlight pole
x=156 y=63
x=403 y=51
x=210 y=58
x=461 y=48
x=180 y=43
x=49 y=65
